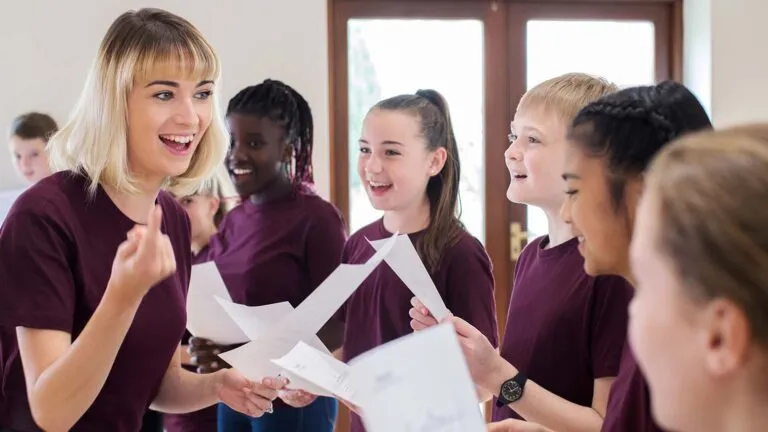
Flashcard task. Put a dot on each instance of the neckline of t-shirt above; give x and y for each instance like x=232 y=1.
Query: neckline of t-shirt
x=102 y=198
x=287 y=198
x=384 y=232
x=560 y=250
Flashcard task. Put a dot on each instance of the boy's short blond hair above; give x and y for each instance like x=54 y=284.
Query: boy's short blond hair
x=138 y=44
x=565 y=95
x=219 y=186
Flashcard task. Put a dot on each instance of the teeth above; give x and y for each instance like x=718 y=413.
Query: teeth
x=241 y=171
x=181 y=139
x=376 y=184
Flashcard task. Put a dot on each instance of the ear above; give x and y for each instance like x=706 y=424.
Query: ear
x=727 y=337
x=437 y=161
x=213 y=205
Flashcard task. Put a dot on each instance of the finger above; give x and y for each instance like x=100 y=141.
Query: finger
x=275 y=383
x=464 y=328
x=169 y=261
x=126 y=249
x=261 y=403
x=418 y=305
x=253 y=409
x=417 y=326
x=154 y=222
x=427 y=320
x=262 y=391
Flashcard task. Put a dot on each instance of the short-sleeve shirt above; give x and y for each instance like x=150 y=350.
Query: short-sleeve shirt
x=564 y=328
x=57 y=246
x=279 y=250
x=629 y=404
x=377 y=312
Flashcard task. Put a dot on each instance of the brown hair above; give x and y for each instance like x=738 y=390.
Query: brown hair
x=712 y=188
x=34 y=125
x=566 y=94
x=445 y=228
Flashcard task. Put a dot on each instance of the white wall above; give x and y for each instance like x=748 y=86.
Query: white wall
x=724 y=57
x=46 y=47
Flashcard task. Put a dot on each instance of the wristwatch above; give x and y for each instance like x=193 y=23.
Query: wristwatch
x=511 y=390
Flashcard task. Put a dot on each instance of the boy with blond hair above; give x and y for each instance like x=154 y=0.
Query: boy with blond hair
x=565 y=330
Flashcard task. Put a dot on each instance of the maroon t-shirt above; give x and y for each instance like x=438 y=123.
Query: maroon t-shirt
x=280 y=250
x=57 y=246
x=564 y=328
x=629 y=405
x=377 y=312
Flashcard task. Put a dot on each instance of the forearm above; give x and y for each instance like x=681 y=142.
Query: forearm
x=538 y=405
x=67 y=387
x=182 y=391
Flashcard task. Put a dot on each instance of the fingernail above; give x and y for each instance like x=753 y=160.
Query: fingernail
x=423 y=311
x=268 y=381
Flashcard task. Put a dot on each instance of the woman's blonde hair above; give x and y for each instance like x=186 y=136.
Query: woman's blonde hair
x=712 y=190
x=137 y=44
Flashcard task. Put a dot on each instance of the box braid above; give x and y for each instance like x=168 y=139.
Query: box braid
x=285 y=106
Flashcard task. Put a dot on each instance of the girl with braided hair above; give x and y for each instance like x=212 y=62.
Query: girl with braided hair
x=281 y=242
x=613 y=140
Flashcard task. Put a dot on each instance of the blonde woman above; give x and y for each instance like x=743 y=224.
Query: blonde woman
x=699 y=320
x=206 y=208
x=95 y=259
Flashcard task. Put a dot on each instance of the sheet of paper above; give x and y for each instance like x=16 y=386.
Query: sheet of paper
x=205 y=318
x=407 y=265
x=254 y=359
x=419 y=382
x=320 y=369
x=312 y=314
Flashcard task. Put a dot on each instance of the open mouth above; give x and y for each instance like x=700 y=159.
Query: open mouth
x=240 y=173
x=379 y=187
x=177 y=144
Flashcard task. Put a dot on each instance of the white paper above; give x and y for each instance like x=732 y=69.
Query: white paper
x=205 y=318
x=322 y=370
x=416 y=383
x=407 y=265
x=254 y=360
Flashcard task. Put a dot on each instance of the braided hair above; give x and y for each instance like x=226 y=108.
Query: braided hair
x=285 y=106
x=630 y=126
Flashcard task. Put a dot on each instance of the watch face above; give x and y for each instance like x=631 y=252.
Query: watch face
x=511 y=391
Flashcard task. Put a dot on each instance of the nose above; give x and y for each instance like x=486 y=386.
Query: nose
x=373 y=164
x=513 y=152
x=186 y=114
x=565 y=211
x=236 y=152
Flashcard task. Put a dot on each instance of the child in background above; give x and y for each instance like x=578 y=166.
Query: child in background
x=206 y=209
x=565 y=330
x=29 y=135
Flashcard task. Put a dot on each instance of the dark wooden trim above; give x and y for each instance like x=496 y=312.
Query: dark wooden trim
x=676 y=44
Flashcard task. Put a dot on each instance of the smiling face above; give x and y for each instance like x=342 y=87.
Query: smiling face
x=167 y=118
x=29 y=158
x=535 y=159
x=394 y=163
x=602 y=227
x=258 y=152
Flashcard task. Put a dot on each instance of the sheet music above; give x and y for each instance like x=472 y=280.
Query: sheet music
x=417 y=383
x=407 y=265
x=205 y=318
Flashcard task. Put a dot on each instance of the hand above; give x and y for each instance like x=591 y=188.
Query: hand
x=297 y=398
x=514 y=425
x=245 y=396
x=205 y=355
x=485 y=363
x=143 y=260
x=421 y=316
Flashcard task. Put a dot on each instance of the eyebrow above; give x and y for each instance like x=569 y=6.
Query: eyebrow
x=175 y=84
x=570 y=176
x=390 y=142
